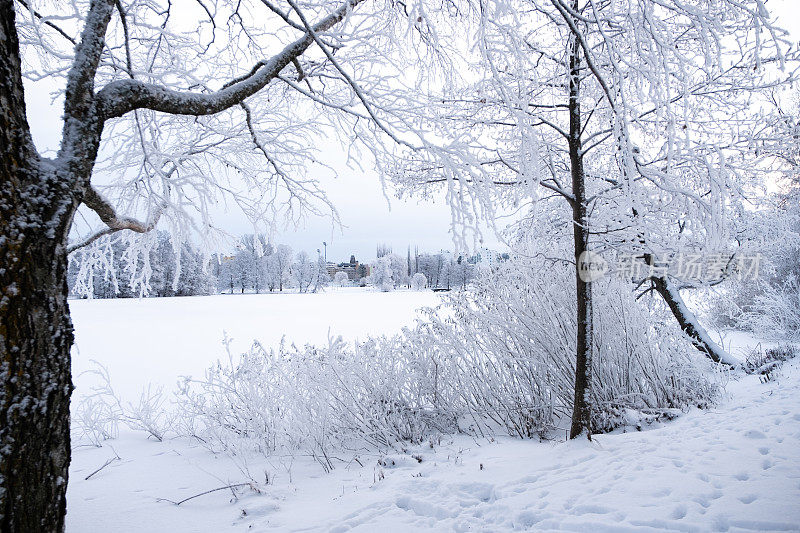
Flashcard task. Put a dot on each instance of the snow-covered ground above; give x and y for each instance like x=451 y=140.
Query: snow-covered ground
x=733 y=468
x=157 y=340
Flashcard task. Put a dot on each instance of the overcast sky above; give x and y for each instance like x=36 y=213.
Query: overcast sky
x=365 y=214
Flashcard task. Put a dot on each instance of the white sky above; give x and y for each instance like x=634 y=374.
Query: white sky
x=358 y=196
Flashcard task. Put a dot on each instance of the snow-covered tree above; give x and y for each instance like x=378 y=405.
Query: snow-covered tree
x=382 y=275
x=399 y=270
x=175 y=270
x=431 y=265
x=461 y=272
x=251 y=254
x=636 y=117
x=418 y=281
x=278 y=265
x=303 y=272
x=340 y=279
x=321 y=278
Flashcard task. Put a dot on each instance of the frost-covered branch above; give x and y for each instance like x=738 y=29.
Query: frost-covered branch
x=123 y=96
x=46 y=22
x=95 y=201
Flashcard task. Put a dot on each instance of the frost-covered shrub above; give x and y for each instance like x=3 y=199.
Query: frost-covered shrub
x=498 y=357
x=768 y=306
x=775 y=312
x=316 y=399
x=419 y=281
x=96 y=415
x=507 y=352
x=765 y=362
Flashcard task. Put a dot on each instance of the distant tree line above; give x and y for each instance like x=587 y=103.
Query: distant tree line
x=161 y=267
x=438 y=270
x=259 y=266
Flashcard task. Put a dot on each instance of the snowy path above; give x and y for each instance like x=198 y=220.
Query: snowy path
x=735 y=468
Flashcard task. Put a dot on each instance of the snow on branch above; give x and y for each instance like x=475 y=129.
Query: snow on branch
x=122 y=96
x=49 y=23
x=108 y=215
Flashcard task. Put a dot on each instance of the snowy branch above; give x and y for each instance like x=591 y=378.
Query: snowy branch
x=122 y=96
x=106 y=212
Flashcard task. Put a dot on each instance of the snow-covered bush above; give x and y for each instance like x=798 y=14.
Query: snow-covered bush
x=341 y=279
x=768 y=304
x=768 y=307
x=419 y=281
x=97 y=414
x=314 y=399
x=764 y=363
x=506 y=352
x=499 y=357
x=774 y=312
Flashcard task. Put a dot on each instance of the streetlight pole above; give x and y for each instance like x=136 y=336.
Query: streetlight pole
x=325 y=245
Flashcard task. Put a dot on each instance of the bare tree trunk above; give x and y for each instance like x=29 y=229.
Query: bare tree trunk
x=581 y=411
x=36 y=207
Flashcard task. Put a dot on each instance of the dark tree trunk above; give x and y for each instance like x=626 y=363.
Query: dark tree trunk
x=35 y=329
x=581 y=411
x=36 y=334
x=686 y=319
x=689 y=323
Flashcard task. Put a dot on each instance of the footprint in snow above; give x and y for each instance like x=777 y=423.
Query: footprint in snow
x=679 y=512
x=748 y=498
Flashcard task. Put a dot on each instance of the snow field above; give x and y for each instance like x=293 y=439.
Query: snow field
x=158 y=340
x=732 y=468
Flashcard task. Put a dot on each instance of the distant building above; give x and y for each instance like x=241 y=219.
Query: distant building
x=487 y=257
x=353 y=269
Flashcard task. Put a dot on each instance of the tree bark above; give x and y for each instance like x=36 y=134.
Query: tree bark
x=689 y=323
x=36 y=208
x=686 y=319
x=581 y=411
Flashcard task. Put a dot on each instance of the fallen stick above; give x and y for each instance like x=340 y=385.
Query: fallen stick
x=231 y=487
x=102 y=467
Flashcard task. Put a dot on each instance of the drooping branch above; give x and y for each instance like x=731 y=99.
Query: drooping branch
x=95 y=201
x=313 y=32
x=122 y=96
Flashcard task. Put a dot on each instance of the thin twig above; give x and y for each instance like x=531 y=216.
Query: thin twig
x=102 y=467
x=226 y=487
